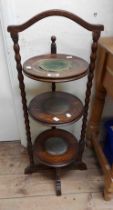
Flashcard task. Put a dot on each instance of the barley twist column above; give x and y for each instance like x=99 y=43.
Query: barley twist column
x=16 y=47
x=96 y=35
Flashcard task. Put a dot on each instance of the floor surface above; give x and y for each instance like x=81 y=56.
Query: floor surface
x=81 y=190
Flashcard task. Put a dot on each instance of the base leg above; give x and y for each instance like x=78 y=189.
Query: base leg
x=58 y=182
x=80 y=165
x=108 y=185
x=31 y=169
x=107 y=195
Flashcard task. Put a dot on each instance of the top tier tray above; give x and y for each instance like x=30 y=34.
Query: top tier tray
x=55 y=68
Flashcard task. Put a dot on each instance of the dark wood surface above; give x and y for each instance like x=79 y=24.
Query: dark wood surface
x=55 y=108
x=23 y=96
x=55 y=12
x=56 y=160
x=78 y=70
x=94 y=46
x=58 y=182
x=53 y=45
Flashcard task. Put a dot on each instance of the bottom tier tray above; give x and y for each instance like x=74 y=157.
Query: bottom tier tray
x=56 y=148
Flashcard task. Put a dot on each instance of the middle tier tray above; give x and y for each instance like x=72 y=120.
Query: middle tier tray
x=55 y=108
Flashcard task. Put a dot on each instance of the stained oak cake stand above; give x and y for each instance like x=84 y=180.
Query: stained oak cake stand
x=55 y=147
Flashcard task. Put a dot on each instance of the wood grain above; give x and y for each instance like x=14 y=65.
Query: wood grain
x=15 y=160
x=85 y=201
x=80 y=190
x=35 y=185
x=63 y=13
x=103 y=86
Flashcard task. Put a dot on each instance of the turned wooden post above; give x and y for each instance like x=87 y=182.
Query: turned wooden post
x=53 y=45
x=16 y=47
x=96 y=35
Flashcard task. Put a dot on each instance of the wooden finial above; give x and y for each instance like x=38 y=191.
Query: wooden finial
x=53 y=45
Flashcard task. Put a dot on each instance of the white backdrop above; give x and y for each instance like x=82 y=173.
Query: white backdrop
x=70 y=39
x=8 y=122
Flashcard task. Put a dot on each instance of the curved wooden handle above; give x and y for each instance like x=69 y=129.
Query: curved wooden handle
x=63 y=13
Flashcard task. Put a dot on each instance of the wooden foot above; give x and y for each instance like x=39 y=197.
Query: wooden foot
x=107 y=195
x=31 y=169
x=58 y=182
x=89 y=144
x=80 y=166
x=90 y=133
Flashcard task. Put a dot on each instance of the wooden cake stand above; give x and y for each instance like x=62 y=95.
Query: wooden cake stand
x=55 y=147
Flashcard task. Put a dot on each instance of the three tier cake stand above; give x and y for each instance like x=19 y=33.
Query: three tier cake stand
x=55 y=147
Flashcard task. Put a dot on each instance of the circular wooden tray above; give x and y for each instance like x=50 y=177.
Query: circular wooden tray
x=56 y=148
x=55 y=108
x=55 y=68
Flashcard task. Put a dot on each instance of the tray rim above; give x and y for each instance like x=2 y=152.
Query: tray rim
x=58 y=123
x=64 y=132
x=56 y=79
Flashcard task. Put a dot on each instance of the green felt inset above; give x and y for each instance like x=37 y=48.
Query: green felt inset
x=56 y=146
x=54 y=64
